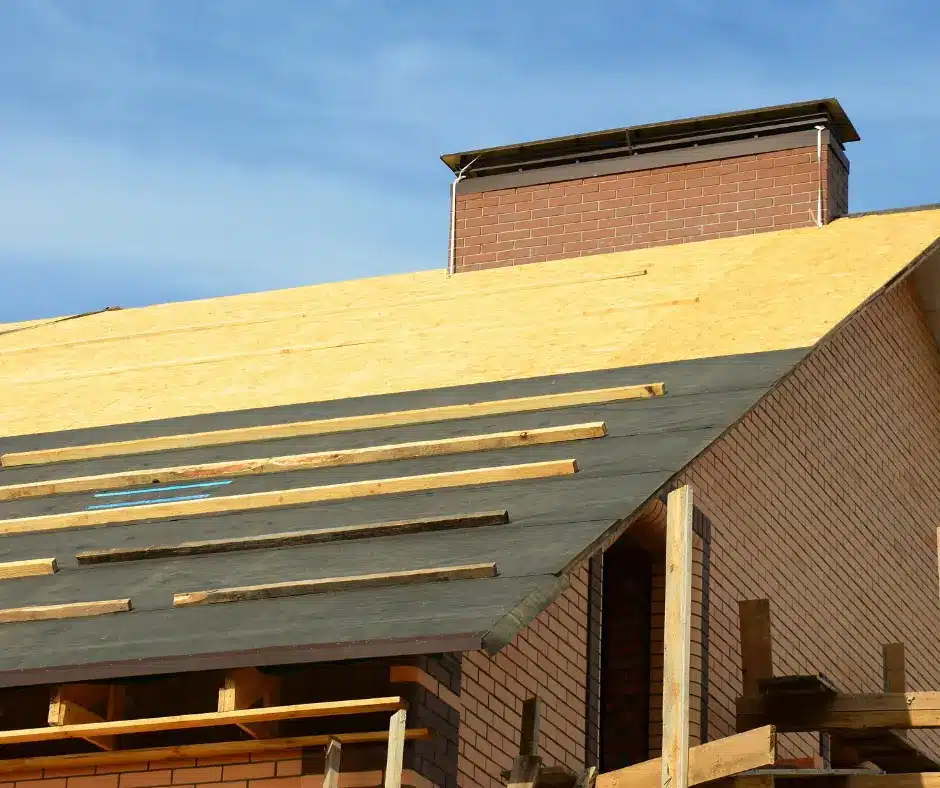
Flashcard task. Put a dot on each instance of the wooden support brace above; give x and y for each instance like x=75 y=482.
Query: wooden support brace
x=246 y=688
x=712 y=761
x=756 y=644
x=331 y=765
x=677 y=639
x=73 y=704
x=396 y=750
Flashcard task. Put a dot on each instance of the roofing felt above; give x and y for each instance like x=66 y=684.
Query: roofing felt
x=718 y=323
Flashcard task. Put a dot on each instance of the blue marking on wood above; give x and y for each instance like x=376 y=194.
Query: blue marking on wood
x=152 y=500
x=163 y=489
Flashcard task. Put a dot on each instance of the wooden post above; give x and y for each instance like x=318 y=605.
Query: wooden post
x=756 y=644
x=396 y=750
x=527 y=765
x=894 y=672
x=677 y=639
x=531 y=721
x=331 y=764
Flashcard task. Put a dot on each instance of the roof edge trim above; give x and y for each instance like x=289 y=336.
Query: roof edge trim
x=277 y=655
x=523 y=614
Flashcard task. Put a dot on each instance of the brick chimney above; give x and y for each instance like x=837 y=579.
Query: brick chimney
x=663 y=183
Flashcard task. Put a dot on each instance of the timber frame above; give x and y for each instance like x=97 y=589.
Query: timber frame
x=235 y=712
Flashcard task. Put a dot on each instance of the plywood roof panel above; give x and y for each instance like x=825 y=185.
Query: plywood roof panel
x=394 y=334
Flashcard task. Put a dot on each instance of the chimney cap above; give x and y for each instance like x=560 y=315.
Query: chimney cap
x=650 y=137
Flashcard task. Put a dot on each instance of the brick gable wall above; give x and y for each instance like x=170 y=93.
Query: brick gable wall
x=633 y=210
x=548 y=659
x=826 y=500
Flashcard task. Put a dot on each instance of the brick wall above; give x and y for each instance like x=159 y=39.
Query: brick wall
x=826 y=500
x=274 y=770
x=547 y=659
x=631 y=210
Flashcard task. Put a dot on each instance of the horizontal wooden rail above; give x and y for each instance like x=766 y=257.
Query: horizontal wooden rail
x=196 y=751
x=330 y=584
x=206 y=720
x=294 y=538
x=710 y=761
x=295 y=497
x=366 y=421
x=845 y=712
x=28 y=568
x=12 y=615
x=310 y=461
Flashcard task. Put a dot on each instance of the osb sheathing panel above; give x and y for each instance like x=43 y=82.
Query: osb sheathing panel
x=392 y=334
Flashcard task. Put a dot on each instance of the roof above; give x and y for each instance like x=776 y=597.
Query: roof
x=657 y=136
x=421 y=331
x=564 y=394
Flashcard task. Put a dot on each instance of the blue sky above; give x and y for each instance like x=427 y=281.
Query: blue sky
x=155 y=150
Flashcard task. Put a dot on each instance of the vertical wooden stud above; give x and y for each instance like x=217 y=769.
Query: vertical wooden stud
x=331 y=764
x=756 y=643
x=396 y=750
x=531 y=720
x=677 y=639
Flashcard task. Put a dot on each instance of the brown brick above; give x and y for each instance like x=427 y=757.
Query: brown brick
x=198 y=774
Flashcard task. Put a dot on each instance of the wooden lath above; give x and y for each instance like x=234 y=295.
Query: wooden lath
x=12 y=615
x=327 y=426
x=335 y=458
x=332 y=584
x=205 y=720
x=290 y=497
x=28 y=568
x=295 y=538
x=196 y=751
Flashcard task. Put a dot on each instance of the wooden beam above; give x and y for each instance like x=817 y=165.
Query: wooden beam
x=314 y=460
x=396 y=750
x=331 y=764
x=677 y=639
x=756 y=643
x=71 y=705
x=296 y=538
x=531 y=724
x=711 y=761
x=331 y=584
x=243 y=688
x=893 y=667
x=271 y=499
x=367 y=421
x=196 y=751
x=206 y=720
x=28 y=568
x=847 y=712
x=12 y=615
x=525 y=771
x=832 y=778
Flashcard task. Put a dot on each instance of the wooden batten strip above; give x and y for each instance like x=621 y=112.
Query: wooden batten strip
x=205 y=720
x=326 y=426
x=295 y=538
x=278 y=498
x=196 y=751
x=13 y=615
x=331 y=584
x=29 y=568
x=310 y=461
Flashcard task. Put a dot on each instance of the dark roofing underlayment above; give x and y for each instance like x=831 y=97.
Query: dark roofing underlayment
x=554 y=522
